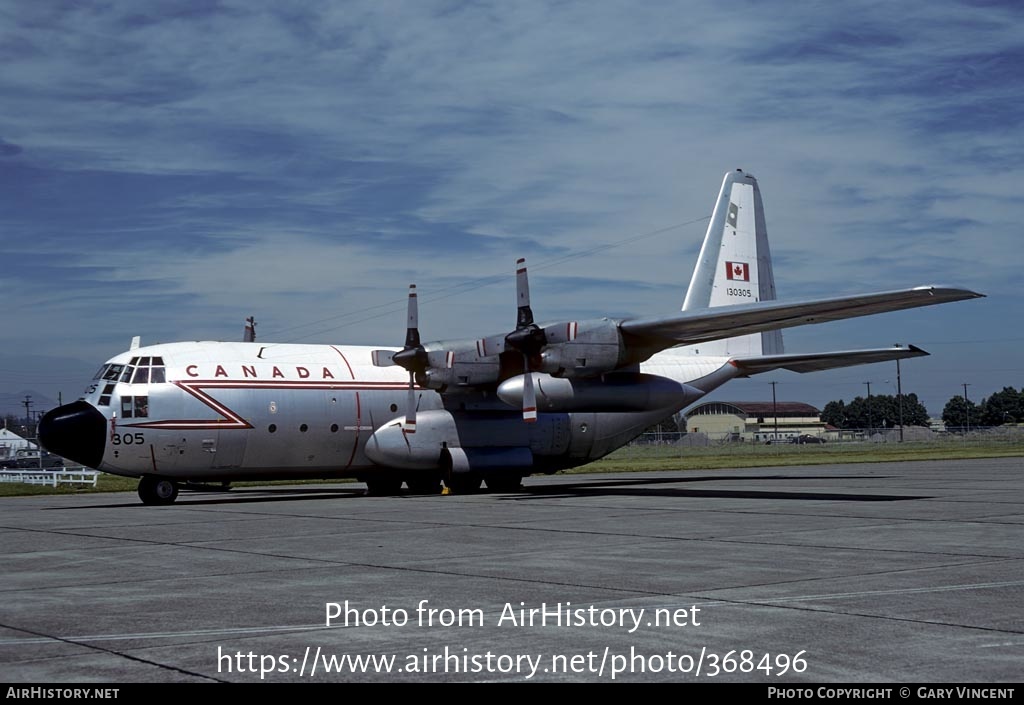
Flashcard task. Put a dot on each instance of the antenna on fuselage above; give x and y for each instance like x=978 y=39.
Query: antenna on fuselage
x=250 y=330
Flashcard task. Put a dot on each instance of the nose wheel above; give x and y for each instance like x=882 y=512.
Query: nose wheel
x=157 y=490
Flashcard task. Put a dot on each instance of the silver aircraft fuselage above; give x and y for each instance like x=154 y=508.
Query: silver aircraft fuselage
x=210 y=411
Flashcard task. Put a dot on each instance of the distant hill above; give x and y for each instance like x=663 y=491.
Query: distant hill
x=45 y=377
x=13 y=404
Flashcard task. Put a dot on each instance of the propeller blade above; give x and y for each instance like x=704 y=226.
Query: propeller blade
x=487 y=347
x=529 y=395
x=410 y=408
x=441 y=359
x=412 y=334
x=524 y=314
x=382 y=358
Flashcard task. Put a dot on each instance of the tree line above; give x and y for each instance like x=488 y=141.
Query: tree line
x=882 y=411
x=1001 y=408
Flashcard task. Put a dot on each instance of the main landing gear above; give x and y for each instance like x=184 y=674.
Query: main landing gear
x=455 y=483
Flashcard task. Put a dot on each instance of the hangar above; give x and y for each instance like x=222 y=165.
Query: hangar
x=755 y=420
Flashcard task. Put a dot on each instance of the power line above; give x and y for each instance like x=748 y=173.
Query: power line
x=473 y=284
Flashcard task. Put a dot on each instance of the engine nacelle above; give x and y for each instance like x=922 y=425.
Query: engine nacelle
x=486 y=460
x=582 y=349
x=473 y=440
x=622 y=391
x=460 y=364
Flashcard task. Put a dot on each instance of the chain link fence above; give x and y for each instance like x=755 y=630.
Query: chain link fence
x=849 y=441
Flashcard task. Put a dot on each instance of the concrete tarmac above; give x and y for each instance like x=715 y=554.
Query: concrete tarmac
x=891 y=572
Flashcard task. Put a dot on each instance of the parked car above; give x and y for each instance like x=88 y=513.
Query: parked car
x=807 y=438
x=29 y=460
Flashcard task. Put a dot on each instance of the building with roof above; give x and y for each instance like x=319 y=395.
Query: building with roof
x=11 y=443
x=755 y=420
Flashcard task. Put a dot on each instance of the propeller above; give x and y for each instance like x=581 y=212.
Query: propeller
x=528 y=338
x=412 y=358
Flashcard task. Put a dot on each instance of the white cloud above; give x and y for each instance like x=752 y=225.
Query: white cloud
x=304 y=159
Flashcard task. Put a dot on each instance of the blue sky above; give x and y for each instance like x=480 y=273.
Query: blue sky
x=169 y=168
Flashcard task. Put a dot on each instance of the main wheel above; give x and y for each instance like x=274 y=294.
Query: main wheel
x=463 y=482
x=424 y=485
x=157 y=490
x=504 y=482
x=383 y=486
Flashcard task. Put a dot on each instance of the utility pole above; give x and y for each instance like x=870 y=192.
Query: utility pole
x=28 y=414
x=899 y=394
x=967 y=408
x=775 y=413
x=868 y=406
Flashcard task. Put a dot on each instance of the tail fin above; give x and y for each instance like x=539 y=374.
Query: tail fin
x=735 y=265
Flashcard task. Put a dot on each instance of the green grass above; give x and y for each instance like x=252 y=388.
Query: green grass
x=650 y=458
x=116 y=483
x=637 y=458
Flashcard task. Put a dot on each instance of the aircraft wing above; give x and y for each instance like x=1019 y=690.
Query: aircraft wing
x=815 y=362
x=697 y=326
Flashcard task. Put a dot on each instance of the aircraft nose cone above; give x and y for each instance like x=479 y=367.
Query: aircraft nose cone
x=75 y=431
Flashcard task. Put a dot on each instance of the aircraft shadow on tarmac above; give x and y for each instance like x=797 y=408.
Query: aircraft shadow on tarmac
x=620 y=487
x=647 y=487
x=244 y=495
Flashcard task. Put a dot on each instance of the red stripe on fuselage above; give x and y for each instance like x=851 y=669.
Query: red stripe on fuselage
x=232 y=420
x=351 y=373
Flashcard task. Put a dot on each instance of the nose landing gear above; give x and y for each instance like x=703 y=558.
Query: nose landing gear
x=157 y=490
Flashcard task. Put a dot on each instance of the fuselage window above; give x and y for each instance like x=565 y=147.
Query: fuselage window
x=127 y=376
x=99 y=373
x=156 y=375
x=141 y=376
x=134 y=407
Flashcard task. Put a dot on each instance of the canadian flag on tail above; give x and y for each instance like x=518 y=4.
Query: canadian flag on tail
x=739 y=271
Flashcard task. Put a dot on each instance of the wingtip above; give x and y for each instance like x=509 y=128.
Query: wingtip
x=952 y=292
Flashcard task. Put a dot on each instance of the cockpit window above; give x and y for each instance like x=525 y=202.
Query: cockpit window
x=140 y=370
x=105 y=395
x=150 y=370
x=113 y=372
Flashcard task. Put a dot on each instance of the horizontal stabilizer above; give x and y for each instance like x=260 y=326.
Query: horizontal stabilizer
x=815 y=362
x=658 y=333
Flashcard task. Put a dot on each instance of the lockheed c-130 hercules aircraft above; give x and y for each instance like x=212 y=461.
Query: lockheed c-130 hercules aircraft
x=537 y=399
